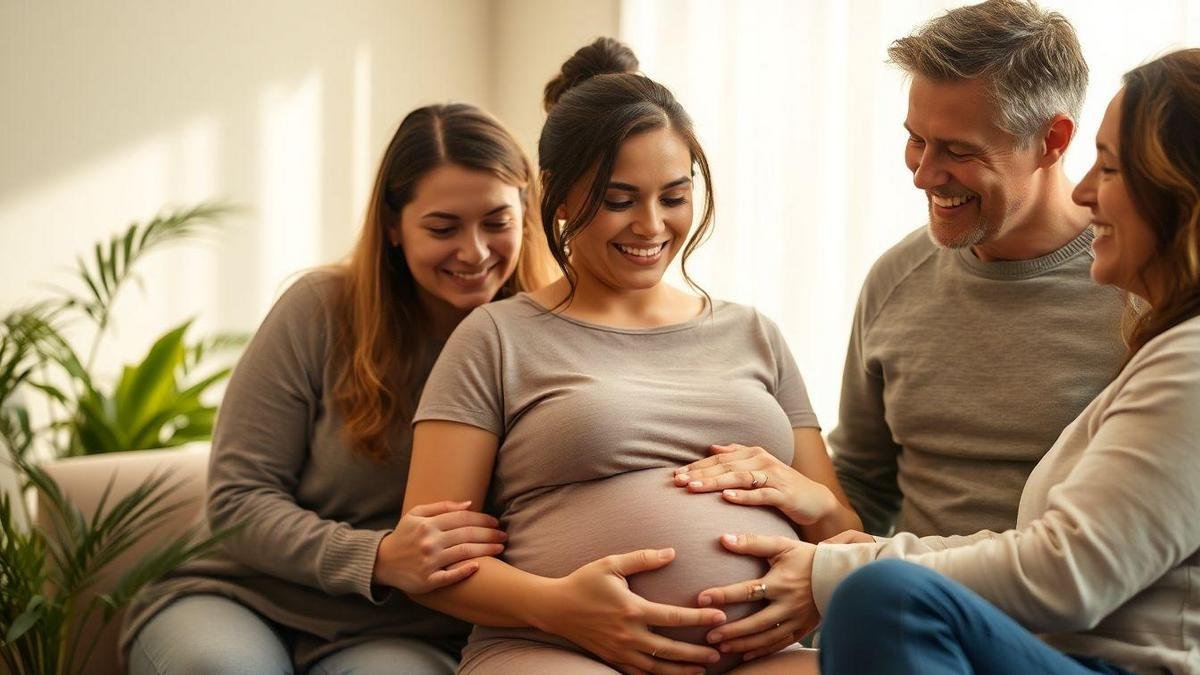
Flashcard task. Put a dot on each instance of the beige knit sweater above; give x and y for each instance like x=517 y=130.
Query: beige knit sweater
x=1104 y=559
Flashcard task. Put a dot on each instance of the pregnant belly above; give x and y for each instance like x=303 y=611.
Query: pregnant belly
x=558 y=531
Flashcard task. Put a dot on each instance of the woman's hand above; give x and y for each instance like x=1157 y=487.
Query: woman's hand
x=754 y=477
x=594 y=608
x=422 y=553
x=790 y=613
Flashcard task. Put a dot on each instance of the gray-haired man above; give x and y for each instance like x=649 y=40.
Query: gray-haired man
x=979 y=338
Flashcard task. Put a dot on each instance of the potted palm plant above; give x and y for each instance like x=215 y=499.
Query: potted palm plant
x=68 y=571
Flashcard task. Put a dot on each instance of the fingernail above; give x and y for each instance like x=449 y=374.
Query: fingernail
x=725 y=649
x=666 y=553
x=729 y=493
x=729 y=538
x=705 y=601
x=719 y=618
x=695 y=484
x=714 y=637
x=713 y=658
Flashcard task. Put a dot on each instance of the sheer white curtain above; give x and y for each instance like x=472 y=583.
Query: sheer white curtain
x=801 y=120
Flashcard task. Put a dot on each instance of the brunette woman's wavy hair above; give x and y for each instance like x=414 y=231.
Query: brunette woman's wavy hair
x=1159 y=157
x=597 y=100
x=384 y=339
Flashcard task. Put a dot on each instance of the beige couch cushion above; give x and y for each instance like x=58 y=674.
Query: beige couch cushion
x=83 y=480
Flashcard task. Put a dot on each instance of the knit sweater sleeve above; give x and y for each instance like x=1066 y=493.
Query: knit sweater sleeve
x=261 y=445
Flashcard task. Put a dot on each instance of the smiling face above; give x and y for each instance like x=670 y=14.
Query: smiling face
x=1125 y=244
x=976 y=177
x=645 y=215
x=461 y=236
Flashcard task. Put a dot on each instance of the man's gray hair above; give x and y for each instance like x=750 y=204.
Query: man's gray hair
x=1029 y=58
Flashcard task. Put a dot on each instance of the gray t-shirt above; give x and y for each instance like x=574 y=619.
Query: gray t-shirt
x=592 y=421
x=959 y=376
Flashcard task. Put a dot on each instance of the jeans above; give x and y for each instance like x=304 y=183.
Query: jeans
x=212 y=635
x=891 y=616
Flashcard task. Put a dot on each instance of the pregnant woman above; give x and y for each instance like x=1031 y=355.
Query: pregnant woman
x=313 y=436
x=570 y=407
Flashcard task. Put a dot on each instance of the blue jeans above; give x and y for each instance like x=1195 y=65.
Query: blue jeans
x=896 y=617
x=212 y=635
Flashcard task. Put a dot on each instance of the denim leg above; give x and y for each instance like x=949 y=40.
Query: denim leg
x=208 y=635
x=387 y=655
x=896 y=617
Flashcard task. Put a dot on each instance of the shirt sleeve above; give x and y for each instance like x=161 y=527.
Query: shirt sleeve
x=466 y=384
x=789 y=391
x=1122 y=518
x=260 y=447
x=864 y=452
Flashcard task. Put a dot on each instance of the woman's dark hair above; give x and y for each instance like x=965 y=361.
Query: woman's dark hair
x=384 y=337
x=596 y=102
x=1159 y=156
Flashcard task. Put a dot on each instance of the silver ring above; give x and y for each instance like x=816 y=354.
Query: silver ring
x=758 y=592
x=654 y=653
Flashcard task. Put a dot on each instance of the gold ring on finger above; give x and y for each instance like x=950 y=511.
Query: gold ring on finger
x=758 y=592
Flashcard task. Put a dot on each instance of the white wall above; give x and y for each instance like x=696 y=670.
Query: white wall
x=116 y=109
x=532 y=39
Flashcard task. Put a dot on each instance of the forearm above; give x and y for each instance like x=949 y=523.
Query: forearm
x=276 y=536
x=839 y=519
x=498 y=595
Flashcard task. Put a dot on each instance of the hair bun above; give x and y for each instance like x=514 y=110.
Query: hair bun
x=605 y=55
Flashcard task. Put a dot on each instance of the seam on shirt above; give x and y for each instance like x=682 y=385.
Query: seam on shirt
x=310 y=286
x=899 y=282
x=868 y=325
x=500 y=375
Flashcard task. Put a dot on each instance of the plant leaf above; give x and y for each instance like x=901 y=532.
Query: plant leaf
x=28 y=619
x=152 y=384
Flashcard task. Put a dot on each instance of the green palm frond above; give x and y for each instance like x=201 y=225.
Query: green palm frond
x=111 y=264
x=23 y=335
x=48 y=570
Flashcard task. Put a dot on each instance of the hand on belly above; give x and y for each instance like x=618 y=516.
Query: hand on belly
x=561 y=530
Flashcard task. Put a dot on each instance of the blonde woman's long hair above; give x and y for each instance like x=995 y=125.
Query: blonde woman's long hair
x=384 y=340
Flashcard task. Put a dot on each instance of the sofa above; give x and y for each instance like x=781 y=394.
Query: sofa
x=83 y=480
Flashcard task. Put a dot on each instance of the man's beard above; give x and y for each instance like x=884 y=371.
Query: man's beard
x=963 y=238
